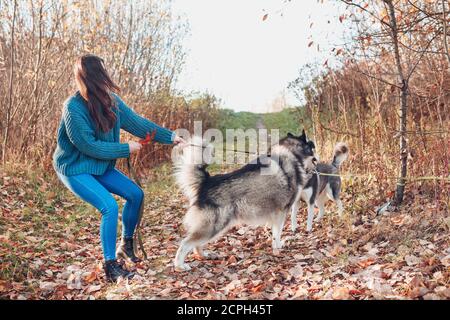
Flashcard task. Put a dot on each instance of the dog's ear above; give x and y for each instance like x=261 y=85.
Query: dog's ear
x=303 y=136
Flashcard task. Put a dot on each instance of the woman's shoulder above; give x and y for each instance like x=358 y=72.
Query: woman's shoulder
x=122 y=107
x=118 y=100
x=75 y=102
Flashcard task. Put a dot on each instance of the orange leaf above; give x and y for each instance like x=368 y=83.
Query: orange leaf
x=355 y=292
x=91 y=277
x=366 y=263
x=3 y=286
x=314 y=289
x=198 y=257
x=341 y=293
x=232 y=260
x=148 y=138
x=397 y=220
x=257 y=288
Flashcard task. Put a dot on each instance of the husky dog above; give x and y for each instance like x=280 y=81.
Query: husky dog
x=320 y=187
x=219 y=202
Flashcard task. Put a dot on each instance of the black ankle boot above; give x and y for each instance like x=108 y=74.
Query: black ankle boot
x=126 y=250
x=113 y=271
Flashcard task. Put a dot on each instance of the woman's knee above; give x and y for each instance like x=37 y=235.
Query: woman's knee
x=135 y=195
x=110 y=208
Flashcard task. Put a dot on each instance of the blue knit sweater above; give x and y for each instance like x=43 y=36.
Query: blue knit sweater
x=83 y=149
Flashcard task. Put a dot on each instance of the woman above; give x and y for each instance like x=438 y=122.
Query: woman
x=87 y=149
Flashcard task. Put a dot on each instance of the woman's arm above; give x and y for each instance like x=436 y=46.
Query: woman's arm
x=138 y=126
x=83 y=137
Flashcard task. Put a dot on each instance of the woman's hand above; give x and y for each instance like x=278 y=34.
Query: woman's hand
x=179 y=141
x=134 y=146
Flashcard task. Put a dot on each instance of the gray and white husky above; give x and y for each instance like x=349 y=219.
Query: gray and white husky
x=320 y=188
x=243 y=196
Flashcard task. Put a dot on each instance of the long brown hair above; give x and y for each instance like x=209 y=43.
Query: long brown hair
x=95 y=87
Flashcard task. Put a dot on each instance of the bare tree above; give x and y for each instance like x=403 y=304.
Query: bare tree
x=403 y=108
x=390 y=86
x=141 y=42
x=445 y=27
x=11 y=80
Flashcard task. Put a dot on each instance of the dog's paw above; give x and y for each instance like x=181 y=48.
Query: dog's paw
x=182 y=267
x=276 y=251
x=280 y=244
x=277 y=245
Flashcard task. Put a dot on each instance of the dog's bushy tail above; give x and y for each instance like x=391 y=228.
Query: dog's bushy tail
x=340 y=154
x=190 y=167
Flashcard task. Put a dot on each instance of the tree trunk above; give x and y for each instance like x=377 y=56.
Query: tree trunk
x=444 y=23
x=403 y=106
x=11 y=77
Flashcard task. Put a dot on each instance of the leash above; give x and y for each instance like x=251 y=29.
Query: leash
x=350 y=175
x=224 y=149
x=137 y=237
x=409 y=179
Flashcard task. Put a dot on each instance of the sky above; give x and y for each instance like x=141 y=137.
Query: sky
x=247 y=62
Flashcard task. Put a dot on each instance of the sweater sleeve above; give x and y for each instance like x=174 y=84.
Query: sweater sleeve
x=138 y=126
x=83 y=137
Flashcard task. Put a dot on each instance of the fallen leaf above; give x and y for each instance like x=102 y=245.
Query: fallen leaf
x=446 y=260
x=301 y=292
x=93 y=288
x=366 y=263
x=412 y=260
x=231 y=260
x=341 y=293
x=47 y=286
x=91 y=277
x=257 y=288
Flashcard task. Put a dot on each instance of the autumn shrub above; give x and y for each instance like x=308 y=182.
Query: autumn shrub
x=140 y=42
x=387 y=94
x=345 y=106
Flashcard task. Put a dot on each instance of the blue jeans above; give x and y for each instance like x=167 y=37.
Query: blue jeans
x=97 y=190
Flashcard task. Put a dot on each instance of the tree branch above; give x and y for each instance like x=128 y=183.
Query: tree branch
x=350 y=3
x=444 y=21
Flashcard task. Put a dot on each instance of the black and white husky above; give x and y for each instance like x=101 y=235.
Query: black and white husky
x=319 y=188
x=244 y=196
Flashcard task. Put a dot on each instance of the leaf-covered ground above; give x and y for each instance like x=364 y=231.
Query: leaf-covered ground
x=50 y=249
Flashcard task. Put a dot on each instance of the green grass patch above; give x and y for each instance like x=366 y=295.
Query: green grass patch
x=228 y=119
x=289 y=120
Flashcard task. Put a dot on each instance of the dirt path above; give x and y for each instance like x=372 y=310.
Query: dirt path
x=260 y=123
